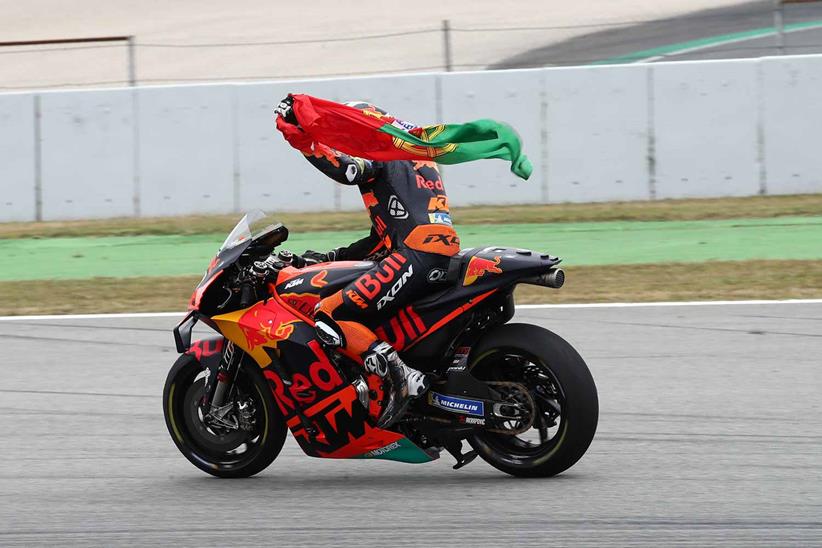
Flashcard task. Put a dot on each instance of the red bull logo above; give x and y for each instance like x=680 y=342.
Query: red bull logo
x=478 y=267
x=260 y=327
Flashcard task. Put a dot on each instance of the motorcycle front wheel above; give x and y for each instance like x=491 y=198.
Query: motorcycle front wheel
x=235 y=447
x=565 y=407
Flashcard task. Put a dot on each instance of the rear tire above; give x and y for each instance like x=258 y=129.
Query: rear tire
x=225 y=454
x=541 y=354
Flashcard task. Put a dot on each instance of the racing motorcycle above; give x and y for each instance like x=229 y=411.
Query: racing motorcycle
x=520 y=396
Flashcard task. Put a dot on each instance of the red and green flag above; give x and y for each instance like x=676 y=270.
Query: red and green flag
x=367 y=133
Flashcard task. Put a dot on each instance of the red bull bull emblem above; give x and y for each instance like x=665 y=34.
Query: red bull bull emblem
x=260 y=327
x=477 y=267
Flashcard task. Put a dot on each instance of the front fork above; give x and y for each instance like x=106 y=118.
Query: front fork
x=220 y=388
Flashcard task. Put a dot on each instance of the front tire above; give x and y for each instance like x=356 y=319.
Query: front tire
x=563 y=391
x=223 y=453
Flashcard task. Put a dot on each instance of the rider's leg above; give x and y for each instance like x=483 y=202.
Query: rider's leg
x=343 y=320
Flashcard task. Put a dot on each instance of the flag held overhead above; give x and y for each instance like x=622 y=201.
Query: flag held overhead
x=369 y=134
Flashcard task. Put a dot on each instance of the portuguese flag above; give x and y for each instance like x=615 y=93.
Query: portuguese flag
x=370 y=134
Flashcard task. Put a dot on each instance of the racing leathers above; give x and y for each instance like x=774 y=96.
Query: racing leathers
x=411 y=237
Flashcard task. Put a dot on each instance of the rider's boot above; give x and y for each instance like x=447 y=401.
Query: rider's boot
x=406 y=382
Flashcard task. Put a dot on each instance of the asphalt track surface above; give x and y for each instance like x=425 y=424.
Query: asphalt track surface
x=709 y=433
x=672 y=39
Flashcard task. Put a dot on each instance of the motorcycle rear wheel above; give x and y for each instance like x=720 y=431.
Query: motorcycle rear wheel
x=222 y=452
x=562 y=389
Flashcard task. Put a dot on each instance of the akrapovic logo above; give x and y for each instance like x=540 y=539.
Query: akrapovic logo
x=457 y=405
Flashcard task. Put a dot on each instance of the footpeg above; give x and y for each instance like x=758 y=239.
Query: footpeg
x=466 y=459
x=455 y=448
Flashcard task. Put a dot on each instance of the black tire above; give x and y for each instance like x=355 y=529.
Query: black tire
x=207 y=450
x=550 y=356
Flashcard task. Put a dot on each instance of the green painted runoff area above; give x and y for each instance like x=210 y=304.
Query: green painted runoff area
x=597 y=243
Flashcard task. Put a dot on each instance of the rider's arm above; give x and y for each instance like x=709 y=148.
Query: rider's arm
x=341 y=167
x=366 y=248
x=371 y=247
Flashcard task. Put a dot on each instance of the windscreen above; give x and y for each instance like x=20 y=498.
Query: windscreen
x=242 y=231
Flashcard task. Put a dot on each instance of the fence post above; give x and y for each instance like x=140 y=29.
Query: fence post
x=132 y=69
x=446 y=44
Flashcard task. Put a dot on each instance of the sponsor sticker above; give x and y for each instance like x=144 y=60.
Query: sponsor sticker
x=402 y=124
x=474 y=420
x=398 y=285
x=457 y=405
x=478 y=267
x=440 y=218
x=436 y=275
x=396 y=209
x=383 y=450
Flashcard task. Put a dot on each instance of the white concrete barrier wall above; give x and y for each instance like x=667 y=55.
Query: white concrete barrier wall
x=18 y=188
x=630 y=132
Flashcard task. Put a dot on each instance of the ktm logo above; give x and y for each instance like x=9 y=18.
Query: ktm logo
x=438 y=203
x=477 y=267
x=444 y=239
x=355 y=298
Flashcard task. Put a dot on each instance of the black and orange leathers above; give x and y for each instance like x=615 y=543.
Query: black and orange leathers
x=411 y=224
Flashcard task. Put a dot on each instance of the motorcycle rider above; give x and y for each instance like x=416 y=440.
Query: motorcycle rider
x=412 y=238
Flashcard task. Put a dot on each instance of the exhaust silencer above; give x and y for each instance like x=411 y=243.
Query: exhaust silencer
x=555 y=278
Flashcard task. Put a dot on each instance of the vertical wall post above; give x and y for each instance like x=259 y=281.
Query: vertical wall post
x=544 y=137
x=136 y=199
x=779 y=25
x=38 y=160
x=760 y=128
x=446 y=45
x=132 y=61
x=651 y=152
x=235 y=146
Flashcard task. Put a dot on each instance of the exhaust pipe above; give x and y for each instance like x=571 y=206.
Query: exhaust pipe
x=555 y=278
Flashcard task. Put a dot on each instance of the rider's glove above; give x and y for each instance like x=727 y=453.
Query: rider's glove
x=286 y=110
x=314 y=257
x=288 y=125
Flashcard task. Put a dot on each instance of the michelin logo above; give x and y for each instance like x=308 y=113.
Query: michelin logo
x=457 y=405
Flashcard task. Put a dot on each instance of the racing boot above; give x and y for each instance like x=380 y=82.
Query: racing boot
x=406 y=382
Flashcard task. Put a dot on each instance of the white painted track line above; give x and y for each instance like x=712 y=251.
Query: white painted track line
x=519 y=307
x=667 y=303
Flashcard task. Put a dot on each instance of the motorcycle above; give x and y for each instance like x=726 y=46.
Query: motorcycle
x=518 y=394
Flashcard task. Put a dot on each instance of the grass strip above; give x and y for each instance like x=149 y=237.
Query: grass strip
x=660 y=210
x=727 y=280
